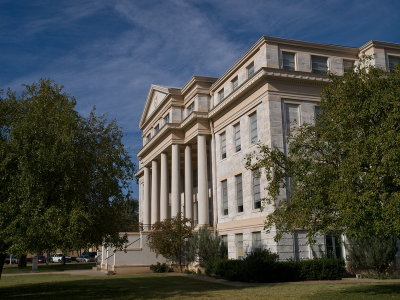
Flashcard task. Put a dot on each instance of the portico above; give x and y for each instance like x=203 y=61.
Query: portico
x=175 y=161
x=170 y=187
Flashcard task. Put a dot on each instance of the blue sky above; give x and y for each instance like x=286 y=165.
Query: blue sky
x=107 y=53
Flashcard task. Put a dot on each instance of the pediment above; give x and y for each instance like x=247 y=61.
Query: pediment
x=155 y=98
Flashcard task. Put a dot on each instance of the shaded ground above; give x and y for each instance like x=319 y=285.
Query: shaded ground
x=52 y=267
x=154 y=286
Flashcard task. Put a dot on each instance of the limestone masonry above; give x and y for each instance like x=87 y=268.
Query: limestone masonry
x=195 y=139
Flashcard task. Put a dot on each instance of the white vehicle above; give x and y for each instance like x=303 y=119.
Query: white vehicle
x=58 y=258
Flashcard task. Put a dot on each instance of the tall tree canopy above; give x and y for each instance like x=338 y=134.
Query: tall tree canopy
x=345 y=170
x=64 y=178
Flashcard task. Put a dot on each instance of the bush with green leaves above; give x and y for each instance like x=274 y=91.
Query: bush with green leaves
x=206 y=247
x=263 y=267
x=160 y=268
x=371 y=253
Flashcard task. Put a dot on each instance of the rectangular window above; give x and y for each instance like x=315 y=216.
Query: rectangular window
x=222 y=139
x=221 y=95
x=238 y=145
x=253 y=128
x=348 y=65
x=239 y=192
x=333 y=245
x=256 y=189
x=190 y=109
x=234 y=83
x=250 y=70
x=393 y=62
x=319 y=64
x=239 y=245
x=292 y=119
x=224 y=195
x=288 y=61
x=256 y=240
x=156 y=129
x=166 y=119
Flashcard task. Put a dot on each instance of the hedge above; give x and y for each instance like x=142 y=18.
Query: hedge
x=259 y=269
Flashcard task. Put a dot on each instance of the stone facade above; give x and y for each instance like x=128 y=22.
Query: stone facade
x=192 y=155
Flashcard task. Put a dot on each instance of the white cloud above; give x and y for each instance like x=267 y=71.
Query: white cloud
x=166 y=42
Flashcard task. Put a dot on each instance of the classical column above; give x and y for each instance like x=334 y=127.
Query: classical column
x=164 y=187
x=188 y=183
x=175 y=178
x=154 y=192
x=146 y=199
x=202 y=196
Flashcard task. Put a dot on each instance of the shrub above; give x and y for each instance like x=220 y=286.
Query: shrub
x=264 y=267
x=160 y=268
x=316 y=269
x=371 y=253
x=206 y=247
x=261 y=265
x=234 y=270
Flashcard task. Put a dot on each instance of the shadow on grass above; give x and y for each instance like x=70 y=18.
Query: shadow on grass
x=57 y=267
x=146 y=287
x=376 y=291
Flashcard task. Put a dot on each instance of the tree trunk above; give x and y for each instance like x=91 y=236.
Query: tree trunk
x=47 y=258
x=22 y=261
x=2 y=260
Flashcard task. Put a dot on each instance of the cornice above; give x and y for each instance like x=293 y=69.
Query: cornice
x=195 y=79
x=265 y=73
x=274 y=40
x=244 y=58
x=163 y=130
x=319 y=46
x=374 y=43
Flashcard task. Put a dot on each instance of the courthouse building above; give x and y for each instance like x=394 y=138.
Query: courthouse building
x=195 y=139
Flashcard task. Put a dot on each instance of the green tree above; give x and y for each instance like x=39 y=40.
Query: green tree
x=64 y=178
x=169 y=238
x=131 y=216
x=206 y=247
x=344 y=171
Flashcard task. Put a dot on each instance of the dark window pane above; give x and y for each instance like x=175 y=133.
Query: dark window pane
x=319 y=64
x=288 y=61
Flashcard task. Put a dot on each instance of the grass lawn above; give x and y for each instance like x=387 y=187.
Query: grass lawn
x=156 y=286
x=52 y=267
